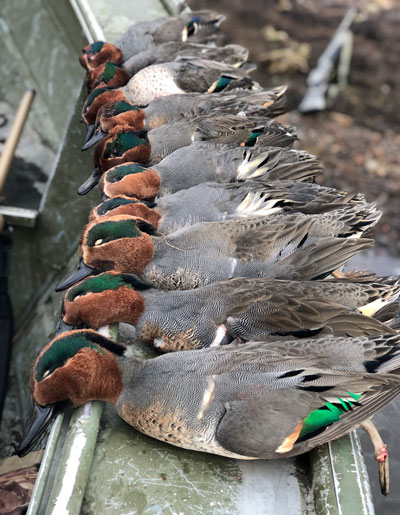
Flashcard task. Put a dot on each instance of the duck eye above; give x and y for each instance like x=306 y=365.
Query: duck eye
x=98 y=242
x=46 y=374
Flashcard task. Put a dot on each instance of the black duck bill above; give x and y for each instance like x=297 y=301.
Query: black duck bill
x=97 y=135
x=89 y=132
x=90 y=182
x=82 y=272
x=43 y=417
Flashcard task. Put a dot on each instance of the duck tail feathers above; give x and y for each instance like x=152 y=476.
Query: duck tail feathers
x=317 y=260
x=278 y=164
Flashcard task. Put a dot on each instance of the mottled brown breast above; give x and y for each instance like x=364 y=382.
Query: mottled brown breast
x=157 y=421
x=173 y=426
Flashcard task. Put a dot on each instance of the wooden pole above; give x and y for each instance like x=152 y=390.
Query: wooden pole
x=14 y=135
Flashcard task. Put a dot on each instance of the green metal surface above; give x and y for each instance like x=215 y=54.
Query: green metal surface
x=45 y=466
x=74 y=465
x=341 y=483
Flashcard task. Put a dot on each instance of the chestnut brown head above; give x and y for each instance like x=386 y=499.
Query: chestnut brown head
x=108 y=75
x=98 y=53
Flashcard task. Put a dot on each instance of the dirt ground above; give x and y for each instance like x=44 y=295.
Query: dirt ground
x=358 y=138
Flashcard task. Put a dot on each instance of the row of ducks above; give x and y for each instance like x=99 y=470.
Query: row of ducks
x=212 y=238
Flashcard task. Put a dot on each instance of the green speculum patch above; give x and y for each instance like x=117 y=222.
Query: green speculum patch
x=119 y=172
x=123 y=107
x=105 y=232
x=327 y=415
x=97 y=284
x=251 y=140
x=124 y=141
x=222 y=83
x=61 y=351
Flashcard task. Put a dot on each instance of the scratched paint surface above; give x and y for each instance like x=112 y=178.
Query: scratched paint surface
x=132 y=473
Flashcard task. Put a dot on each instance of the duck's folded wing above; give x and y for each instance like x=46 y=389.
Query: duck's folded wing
x=278 y=422
x=258 y=238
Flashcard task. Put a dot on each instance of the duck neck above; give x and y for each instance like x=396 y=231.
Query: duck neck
x=106 y=384
x=96 y=309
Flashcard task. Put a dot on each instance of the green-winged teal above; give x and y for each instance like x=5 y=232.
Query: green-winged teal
x=196 y=27
x=178 y=77
x=244 y=401
x=207 y=252
x=211 y=202
x=217 y=314
x=162 y=111
x=202 y=162
x=124 y=145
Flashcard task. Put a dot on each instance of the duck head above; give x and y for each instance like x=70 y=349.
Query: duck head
x=123 y=205
x=75 y=367
x=116 y=113
x=98 y=53
x=131 y=180
x=202 y=26
x=122 y=145
x=108 y=75
x=96 y=99
x=122 y=243
x=104 y=299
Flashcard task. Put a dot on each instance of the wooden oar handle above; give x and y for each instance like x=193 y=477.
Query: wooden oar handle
x=14 y=135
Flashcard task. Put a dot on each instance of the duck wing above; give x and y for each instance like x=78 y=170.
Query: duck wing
x=296 y=409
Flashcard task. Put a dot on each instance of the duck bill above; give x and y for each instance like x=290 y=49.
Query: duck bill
x=43 y=416
x=97 y=136
x=90 y=182
x=89 y=132
x=63 y=327
x=81 y=273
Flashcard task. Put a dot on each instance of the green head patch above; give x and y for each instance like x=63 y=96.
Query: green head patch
x=107 y=231
x=92 y=96
x=109 y=72
x=95 y=47
x=61 y=351
x=113 y=203
x=107 y=281
x=121 y=171
x=96 y=284
x=119 y=107
x=122 y=142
